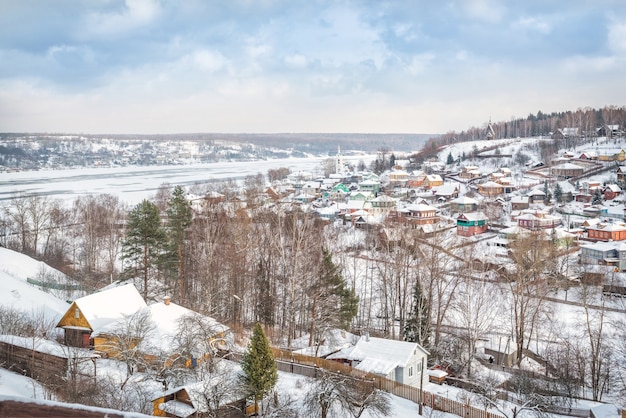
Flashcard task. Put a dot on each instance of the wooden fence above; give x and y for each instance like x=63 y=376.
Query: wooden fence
x=290 y=362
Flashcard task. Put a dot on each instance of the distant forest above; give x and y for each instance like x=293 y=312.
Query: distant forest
x=588 y=120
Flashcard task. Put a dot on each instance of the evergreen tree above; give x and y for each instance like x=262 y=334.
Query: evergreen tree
x=333 y=303
x=260 y=372
x=417 y=327
x=558 y=193
x=597 y=197
x=546 y=191
x=144 y=241
x=450 y=159
x=179 y=218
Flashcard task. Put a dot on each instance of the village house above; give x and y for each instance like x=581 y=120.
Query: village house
x=520 y=202
x=312 y=188
x=469 y=172
x=538 y=220
x=564 y=133
x=491 y=189
x=402 y=361
x=383 y=204
x=621 y=174
x=463 y=204
x=607 y=232
x=370 y=186
x=416 y=179
x=432 y=180
x=604 y=253
x=611 y=191
x=536 y=196
x=398 y=177
x=447 y=192
x=91 y=313
x=421 y=214
x=471 y=223
x=566 y=170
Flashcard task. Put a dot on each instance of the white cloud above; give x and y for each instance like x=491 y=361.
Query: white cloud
x=136 y=13
x=484 y=10
x=420 y=63
x=534 y=24
x=617 y=37
x=296 y=61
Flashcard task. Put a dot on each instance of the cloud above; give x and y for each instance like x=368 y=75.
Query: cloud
x=533 y=24
x=134 y=14
x=617 y=37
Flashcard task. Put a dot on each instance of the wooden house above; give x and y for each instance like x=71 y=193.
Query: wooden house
x=472 y=223
x=491 y=189
x=370 y=186
x=447 y=192
x=432 y=180
x=611 y=191
x=520 y=203
x=421 y=214
x=402 y=361
x=469 y=172
x=566 y=170
x=398 y=177
x=536 y=196
x=383 y=204
x=538 y=220
x=611 y=254
x=607 y=232
x=564 y=133
x=463 y=204
x=92 y=313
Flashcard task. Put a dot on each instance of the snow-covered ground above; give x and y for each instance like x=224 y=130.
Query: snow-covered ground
x=135 y=183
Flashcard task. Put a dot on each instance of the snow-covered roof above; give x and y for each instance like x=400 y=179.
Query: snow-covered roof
x=168 y=317
x=464 y=200
x=48 y=346
x=110 y=305
x=199 y=392
x=379 y=355
x=473 y=216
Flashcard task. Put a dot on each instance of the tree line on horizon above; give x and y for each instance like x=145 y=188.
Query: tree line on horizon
x=586 y=119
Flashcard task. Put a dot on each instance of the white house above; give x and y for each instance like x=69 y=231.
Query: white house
x=402 y=361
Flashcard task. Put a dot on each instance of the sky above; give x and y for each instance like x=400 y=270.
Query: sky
x=266 y=66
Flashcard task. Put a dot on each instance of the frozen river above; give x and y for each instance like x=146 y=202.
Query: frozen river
x=134 y=183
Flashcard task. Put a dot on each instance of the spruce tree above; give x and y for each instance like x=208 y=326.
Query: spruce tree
x=558 y=193
x=260 y=372
x=450 y=159
x=597 y=197
x=417 y=327
x=333 y=304
x=179 y=218
x=144 y=242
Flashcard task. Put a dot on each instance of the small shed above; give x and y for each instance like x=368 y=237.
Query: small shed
x=437 y=376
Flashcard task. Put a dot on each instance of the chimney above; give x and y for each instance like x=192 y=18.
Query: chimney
x=166 y=300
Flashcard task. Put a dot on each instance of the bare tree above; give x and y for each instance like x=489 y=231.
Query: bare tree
x=332 y=395
x=526 y=286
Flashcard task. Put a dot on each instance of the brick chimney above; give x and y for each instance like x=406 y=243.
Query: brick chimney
x=166 y=300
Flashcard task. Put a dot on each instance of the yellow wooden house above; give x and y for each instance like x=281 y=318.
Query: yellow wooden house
x=89 y=315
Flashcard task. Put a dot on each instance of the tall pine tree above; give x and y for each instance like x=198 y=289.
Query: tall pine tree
x=179 y=218
x=144 y=242
x=333 y=303
x=417 y=327
x=260 y=372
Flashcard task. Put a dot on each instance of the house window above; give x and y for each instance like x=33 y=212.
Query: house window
x=411 y=371
x=76 y=313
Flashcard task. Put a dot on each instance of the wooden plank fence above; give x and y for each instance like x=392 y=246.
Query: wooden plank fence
x=290 y=362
